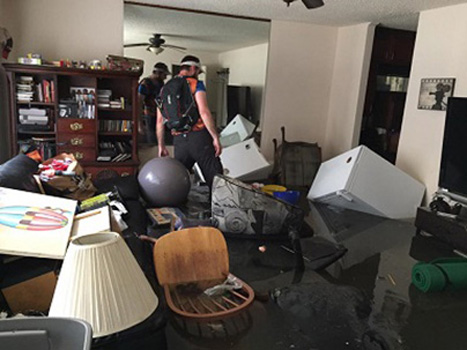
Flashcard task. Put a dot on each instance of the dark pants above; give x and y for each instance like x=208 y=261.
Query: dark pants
x=196 y=147
x=149 y=128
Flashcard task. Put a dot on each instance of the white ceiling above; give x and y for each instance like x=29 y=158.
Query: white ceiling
x=215 y=33
x=192 y=30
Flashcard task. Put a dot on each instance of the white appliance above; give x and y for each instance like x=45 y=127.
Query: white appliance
x=245 y=162
x=362 y=180
x=239 y=129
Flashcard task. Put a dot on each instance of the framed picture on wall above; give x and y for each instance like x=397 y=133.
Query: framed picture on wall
x=434 y=93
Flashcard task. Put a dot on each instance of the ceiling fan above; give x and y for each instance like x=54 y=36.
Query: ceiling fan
x=309 y=4
x=157 y=44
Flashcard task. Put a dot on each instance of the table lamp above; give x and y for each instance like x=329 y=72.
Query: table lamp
x=101 y=282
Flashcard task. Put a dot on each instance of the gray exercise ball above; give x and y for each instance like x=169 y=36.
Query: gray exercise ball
x=164 y=182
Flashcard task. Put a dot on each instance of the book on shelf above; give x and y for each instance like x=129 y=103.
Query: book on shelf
x=32 y=111
x=85 y=98
x=28 y=128
x=29 y=91
x=115 y=126
x=114 y=151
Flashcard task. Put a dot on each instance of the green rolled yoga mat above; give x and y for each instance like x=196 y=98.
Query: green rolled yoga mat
x=440 y=274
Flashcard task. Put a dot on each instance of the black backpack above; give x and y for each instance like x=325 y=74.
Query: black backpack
x=177 y=104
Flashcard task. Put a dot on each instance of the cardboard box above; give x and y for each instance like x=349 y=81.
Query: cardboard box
x=33 y=294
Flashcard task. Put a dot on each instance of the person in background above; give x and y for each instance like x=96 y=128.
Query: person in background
x=201 y=143
x=148 y=90
x=6 y=44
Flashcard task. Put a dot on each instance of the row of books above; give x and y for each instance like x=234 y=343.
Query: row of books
x=104 y=100
x=46 y=146
x=27 y=90
x=115 y=125
x=114 y=151
x=85 y=99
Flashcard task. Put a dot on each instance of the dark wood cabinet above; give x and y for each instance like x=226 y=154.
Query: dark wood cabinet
x=393 y=46
x=83 y=135
x=385 y=101
x=447 y=229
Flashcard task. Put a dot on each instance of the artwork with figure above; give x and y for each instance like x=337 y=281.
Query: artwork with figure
x=434 y=93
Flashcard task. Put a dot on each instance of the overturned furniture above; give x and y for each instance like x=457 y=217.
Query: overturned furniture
x=190 y=261
x=362 y=180
x=295 y=163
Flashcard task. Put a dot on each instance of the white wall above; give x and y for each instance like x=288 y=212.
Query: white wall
x=349 y=81
x=78 y=30
x=440 y=51
x=248 y=68
x=298 y=83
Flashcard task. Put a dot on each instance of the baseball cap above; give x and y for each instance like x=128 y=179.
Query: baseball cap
x=161 y=67
x=190 y=60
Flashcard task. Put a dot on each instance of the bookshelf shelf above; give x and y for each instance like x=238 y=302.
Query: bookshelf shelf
x=35 y=103
x=39 y=94
x=48 y=133
x=119 y=110
x=114 y=133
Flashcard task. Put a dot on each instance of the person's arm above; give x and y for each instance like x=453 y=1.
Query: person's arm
x=205 y=113
x=163 y=152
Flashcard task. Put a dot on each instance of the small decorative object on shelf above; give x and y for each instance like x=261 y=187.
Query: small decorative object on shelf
x=125 y=63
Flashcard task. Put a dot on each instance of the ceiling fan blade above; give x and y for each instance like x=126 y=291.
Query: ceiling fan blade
x=174 y=47
x=312 y=4
x=134 y=45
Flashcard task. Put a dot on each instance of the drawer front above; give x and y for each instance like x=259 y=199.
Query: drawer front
x=81 y=154
x=75 y=125
x=77 y=140
x=98 y=173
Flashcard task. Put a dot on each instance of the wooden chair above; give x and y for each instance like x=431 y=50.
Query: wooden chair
x=188 y=262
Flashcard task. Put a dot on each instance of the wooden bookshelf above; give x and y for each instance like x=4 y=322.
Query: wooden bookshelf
x=79 y=136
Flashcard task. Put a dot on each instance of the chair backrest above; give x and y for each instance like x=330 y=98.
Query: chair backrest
x=191 y=255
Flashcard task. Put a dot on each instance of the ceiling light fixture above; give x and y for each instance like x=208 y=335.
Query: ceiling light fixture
x=156 y=50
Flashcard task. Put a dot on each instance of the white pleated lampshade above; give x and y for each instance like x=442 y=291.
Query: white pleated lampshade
x=101 y=282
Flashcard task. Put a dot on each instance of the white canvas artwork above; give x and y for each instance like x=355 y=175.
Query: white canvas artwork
x=34 y=224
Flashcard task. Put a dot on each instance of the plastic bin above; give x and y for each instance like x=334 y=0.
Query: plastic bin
x=45 y=333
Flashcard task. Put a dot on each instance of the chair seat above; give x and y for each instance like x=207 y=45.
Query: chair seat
x=189 y=301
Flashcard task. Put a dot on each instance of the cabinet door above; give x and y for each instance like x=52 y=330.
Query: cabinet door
x=393 y=46
x=403 y=46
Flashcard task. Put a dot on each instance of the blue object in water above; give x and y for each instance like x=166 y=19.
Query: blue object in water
x=291 y=197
